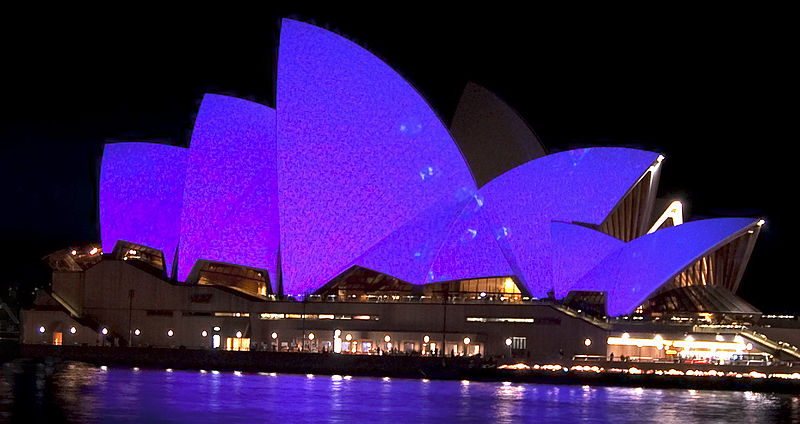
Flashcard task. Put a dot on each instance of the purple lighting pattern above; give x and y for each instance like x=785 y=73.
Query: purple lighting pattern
x=360 y=153
x=470 y=249
x=631 y=274
x=576 y=250
x=230 y=202
x=574 y=186
x=408 y=252
x=141 y=191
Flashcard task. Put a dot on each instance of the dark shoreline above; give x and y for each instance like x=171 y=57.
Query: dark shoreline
x=414 y=367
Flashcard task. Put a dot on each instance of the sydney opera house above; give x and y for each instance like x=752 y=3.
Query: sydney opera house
x=350 y=218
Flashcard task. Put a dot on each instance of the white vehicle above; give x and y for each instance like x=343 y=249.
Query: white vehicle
x=751 y=359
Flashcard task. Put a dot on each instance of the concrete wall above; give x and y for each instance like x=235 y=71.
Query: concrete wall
x=103 y=294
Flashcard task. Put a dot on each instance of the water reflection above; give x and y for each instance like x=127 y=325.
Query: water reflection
x=84 y=394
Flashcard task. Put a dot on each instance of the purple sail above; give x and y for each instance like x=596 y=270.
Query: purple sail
x=574 y=186
x=141 y=192
x=470 y=250
x=631 y=274
x=360 y=153
x=576 y=250
x=408 y=252
x=230 y=209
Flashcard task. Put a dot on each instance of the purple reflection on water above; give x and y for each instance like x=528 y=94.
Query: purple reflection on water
x=88 y=395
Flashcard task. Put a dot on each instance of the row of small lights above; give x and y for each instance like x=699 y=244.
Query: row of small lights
x=637 y=371
x=137 y=332
x=348 y=337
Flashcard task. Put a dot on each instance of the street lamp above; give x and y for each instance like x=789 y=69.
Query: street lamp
x=587 y=342
x=508 y=343
x=466 y=345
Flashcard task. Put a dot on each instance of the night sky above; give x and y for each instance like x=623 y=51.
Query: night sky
x=711 y=90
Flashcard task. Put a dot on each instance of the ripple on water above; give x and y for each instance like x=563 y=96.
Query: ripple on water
x=85 y=394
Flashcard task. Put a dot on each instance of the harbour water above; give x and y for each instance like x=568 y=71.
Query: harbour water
x=79 y=393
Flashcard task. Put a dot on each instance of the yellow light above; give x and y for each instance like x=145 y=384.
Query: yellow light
x=170 y=333
x=509 y=285
x=508 y=341
x=94 y=251
x=348 y=337
x=760 y=222
x=660 y=158
x=74 y=252
x=719 y=338
x=136 y=332
x=311 y=336
x=426 y=339
x=626 y=336
x=337 y=333
x=587 y=342
x=387 y=339
x=204 y=333
x=466 y=340
x=274 y=335
x=238 y=334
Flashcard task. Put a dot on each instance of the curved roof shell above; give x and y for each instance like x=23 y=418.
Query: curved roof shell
x=492 y=135
x=574 y=186
x=635 y=271
x=230 y=202
x=360 y=153
x=141 y=196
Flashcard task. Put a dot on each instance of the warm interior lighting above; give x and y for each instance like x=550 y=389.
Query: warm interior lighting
x=509 y=285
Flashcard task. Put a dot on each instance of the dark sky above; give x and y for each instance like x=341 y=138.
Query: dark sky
x=713 y=90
